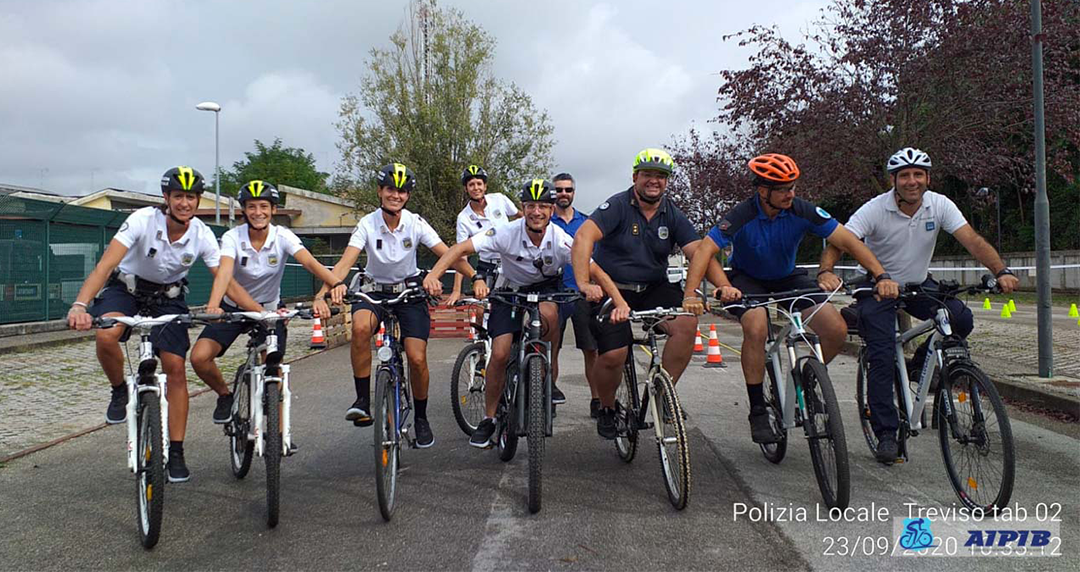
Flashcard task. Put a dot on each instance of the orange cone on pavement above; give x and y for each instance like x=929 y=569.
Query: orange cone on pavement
x=699 y=347
x=714 y=358
x=378 y=338
x=317 y=339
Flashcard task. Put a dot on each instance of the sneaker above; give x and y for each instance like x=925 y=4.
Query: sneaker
x=358 y=413
x=887 y=449
x=557 y=396
x=605 y=423
x=424 y=438
x=594 y=408
x=761 y=430
x=481 y=437
x=117 y=410
x=176 y=469
x=223 y=410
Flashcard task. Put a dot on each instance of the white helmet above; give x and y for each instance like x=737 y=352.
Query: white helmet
x=908 y=157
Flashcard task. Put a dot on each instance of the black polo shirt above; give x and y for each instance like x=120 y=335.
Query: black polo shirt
x=634 y=250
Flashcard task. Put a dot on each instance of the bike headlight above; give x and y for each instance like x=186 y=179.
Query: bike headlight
x=385 y=354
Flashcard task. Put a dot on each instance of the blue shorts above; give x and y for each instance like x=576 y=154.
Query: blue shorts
x=172 y=338
x=226 y=334
x=413 y=318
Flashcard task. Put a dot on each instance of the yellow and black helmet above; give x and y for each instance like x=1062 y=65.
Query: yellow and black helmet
x=473 y=172
x=538 y=191
x=184 y=179
x=259 y=190
x=397 y=176
x=654 y=160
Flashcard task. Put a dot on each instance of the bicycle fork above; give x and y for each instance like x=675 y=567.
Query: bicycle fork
x=258 y=401
x=147 y=370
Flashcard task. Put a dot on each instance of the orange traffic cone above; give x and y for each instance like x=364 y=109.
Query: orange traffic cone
x=714 y=358
x=317 y=340
x=378 y=338
x=699 y=348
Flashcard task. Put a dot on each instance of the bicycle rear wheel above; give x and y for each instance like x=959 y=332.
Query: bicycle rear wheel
x=671 y=441
x=825 y=432
x=240 y=447
x=506 y=435
x=387 y=443
x=272 y=452
x=150 y=478
x=774 y=452
x=976 y=443
x=627 y=406
x=467 y=387
x=536 y=431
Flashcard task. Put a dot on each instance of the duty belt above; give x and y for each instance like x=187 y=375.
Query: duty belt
x=537 y=287
x=138 y=286
x=385 y=288
x=635 y=288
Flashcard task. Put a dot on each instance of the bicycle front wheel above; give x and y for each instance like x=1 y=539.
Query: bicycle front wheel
x=627 y=406
x=272 y=452
x=536 y=429
x=825 y=433
x=387 y=443
x=240 y=447
x=671 y=440
x=976 y=441
x=150 y=478
x=467 y=387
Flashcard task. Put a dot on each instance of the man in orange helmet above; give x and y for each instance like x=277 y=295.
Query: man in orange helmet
x=765 y=231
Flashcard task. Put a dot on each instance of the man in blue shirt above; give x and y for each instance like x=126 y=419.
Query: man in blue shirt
x=765 y=231
x=570 y=219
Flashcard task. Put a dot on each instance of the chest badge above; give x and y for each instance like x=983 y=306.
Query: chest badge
x=498 y=213
x=635 y=229
x=662 y=232
x=490 y=232
x=187 y=259
x=272 y=260
x=547 y=260
x=930 y=226
x=407 y=243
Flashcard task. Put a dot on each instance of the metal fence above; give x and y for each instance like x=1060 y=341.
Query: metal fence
x=48 y=248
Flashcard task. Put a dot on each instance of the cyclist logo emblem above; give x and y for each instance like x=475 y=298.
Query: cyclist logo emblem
x=917 y=534
x=662 y=232
x=187 y=259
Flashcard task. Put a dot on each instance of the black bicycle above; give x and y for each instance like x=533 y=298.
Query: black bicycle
x=469 y=376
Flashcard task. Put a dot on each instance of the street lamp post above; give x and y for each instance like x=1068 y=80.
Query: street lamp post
x=211 y=106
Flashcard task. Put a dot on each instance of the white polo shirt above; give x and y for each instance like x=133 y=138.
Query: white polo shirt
x=260 y=272
x=518 y=252
x=391 y=255
x=152 y=257
x=905 y=244
x=497 y=213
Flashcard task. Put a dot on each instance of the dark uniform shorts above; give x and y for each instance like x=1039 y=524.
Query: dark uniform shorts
x=506 y=319
x=614 y=336
x=413 y=318
x=580 y=312
x=226 y=334
x=797 y=280
x=172 y=338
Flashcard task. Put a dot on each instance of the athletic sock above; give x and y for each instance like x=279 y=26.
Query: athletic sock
x=363 y=387
x=757 y=395
x=421 y=408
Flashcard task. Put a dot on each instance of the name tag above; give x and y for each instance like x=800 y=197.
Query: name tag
x=930 y=226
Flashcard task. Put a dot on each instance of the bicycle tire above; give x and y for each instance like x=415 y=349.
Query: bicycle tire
x=468 y=407
x=774 y=452
x=387 y=444
x=674 y=463
x=969 y=489
x=828 y=444
x=862 y=394
x=272 y=452
x=241 y=448
x=627 y=407
x=150 y=478
x=506 y=434
x=536 y=432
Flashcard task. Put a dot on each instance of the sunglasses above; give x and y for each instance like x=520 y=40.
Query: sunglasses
x=564 y=190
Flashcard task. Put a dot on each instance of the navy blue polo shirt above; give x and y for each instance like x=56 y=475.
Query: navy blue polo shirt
x=763 y=247
x=635 y=250
x=571 y=228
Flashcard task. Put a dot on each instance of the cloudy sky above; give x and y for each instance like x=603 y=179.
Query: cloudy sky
x=102 y=93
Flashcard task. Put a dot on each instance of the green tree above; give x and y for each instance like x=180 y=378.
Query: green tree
x=278 y=165
x=431 y=101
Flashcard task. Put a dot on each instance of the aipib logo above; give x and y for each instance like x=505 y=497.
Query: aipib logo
x=1010 y=538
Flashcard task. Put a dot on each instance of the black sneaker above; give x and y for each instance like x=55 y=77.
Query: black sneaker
x=761 y=430
x=117 y=410
x=481 y=437
x=557 y=396
x=359 y=413
x=223 y=410
x=887 y=449
x=605 y=423
x=424 y=438
x=594 y=408
x=176 y=469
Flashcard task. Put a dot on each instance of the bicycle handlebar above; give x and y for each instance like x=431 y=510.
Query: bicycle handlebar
x=140 y=322
x=512 y=298
x=658 y=314
x=406 y=295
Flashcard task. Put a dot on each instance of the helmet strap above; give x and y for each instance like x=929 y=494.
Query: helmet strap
x=900 y=198
x=647 y=200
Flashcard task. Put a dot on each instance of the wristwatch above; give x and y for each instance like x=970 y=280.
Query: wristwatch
x=882 y=276
x=1003 y=272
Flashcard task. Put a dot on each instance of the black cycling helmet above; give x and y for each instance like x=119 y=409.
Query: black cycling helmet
x=183 y=179
x=259 y=190
x=397 y=176
x=538 y=191
x=473 y=172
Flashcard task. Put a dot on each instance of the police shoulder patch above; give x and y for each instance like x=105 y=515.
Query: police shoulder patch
x=823 y=213
x=605 y=206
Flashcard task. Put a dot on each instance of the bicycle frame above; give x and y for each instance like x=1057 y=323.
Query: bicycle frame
x=788 y=337
x=915 y=401
x=390 y=360
x=649 y=406
x=529 y=345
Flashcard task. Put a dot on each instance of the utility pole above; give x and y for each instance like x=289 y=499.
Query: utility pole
x=1042 y=203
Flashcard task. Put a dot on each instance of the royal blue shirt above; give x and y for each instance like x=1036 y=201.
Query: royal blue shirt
x=766 y=248
x=571 y=228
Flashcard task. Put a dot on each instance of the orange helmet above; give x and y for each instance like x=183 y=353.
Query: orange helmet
x=774 y=168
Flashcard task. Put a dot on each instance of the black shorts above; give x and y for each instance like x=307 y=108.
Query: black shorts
x=506 y=319
x=172 y=338
x=580 y=313
x=413 y=318
x=226 y=334
x=614 y=336
x=797 y=280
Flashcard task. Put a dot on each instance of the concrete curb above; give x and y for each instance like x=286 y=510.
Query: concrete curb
x=88 y=337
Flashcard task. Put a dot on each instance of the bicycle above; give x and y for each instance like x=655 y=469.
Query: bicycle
x=261 y=422
x=636 y=402
x=964 y=391
x=525 y=410
x=807 y=398
x=147 y=422
x=467 y=380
